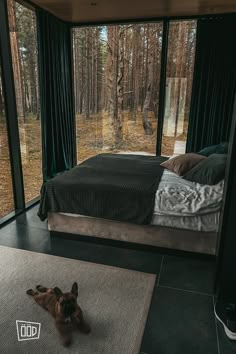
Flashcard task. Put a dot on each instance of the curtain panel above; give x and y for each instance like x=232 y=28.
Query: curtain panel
x=214 y=83
x=56 y=94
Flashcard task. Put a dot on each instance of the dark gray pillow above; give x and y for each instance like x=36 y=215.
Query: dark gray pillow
x=209 y=171
x=221 y=148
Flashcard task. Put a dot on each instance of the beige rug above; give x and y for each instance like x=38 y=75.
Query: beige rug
x=115 y=302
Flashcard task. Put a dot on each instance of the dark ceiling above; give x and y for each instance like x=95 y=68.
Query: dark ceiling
x=110 y=10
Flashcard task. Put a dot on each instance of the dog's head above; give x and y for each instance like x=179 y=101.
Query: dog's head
x=67 y=302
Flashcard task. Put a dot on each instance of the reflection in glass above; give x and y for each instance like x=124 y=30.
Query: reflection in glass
x=180 y=65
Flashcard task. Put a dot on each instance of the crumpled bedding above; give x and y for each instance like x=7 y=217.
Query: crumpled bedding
x=178 y=197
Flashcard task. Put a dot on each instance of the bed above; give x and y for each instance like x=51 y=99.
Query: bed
x=185 y=215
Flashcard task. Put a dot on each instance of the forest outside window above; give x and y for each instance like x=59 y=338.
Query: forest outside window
x=22 y=25
x=6 y=191
x=116 y=81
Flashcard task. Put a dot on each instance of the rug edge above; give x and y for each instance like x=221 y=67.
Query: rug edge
x=146 y=308
x=82 y=261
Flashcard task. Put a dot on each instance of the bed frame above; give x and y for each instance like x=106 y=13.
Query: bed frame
x=153 y=235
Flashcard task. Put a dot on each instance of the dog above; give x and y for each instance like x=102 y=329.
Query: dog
x=64 y=308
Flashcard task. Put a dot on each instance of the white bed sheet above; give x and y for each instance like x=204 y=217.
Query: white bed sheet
x=183 y=204
x=179 y=197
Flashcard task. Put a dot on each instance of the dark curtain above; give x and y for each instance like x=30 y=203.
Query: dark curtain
x=56 y=94
x=214 y=83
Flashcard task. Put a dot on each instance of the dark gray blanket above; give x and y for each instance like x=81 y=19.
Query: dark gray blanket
x=110 y=186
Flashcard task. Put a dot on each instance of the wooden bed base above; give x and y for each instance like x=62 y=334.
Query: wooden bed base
x=159 y=236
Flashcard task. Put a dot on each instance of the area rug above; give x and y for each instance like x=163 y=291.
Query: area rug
x=115 y=302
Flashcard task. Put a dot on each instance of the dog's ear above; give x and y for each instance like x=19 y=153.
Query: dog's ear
x=58 y=292
x=74 y=289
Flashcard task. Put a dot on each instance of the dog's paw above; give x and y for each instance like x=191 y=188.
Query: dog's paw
x=87 y=329
x=30 y=292
x=66 y=341
x=41 y=288
x=84 y=328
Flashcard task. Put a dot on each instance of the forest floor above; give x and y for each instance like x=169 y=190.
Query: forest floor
x=30 y=141
x=93 y=136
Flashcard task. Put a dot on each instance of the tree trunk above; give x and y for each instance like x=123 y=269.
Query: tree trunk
x=96 y=71
x=120 y=92
x=115 y=68
x=136 y=69
x=147 y=125
x=16 y=62
x=36 y=108
x=110 y=80
x=92 y=81
x=87 y=79
x=82 y=78
x=157 y=68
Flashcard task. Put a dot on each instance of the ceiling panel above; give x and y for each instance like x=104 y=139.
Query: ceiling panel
x=110 y=10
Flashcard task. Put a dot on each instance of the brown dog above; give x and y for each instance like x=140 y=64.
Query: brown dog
x=64 y=308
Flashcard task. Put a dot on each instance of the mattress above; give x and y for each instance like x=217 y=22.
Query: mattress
x=206 y=223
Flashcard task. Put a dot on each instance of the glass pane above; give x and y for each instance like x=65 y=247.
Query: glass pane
x=116 y=80
x=22 y=23
x=180 y=65
x=6 y=192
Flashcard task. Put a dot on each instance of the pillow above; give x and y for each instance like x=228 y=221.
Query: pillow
x=221 y=148
x=183 y=163
x=209 y=171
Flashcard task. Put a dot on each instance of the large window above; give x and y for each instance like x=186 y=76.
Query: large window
x=180 y=64
x=6 y=192
x=117 y=73
x=22 y=24
x=117 y=79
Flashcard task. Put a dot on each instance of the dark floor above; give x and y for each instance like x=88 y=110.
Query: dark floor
x=181 y=318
